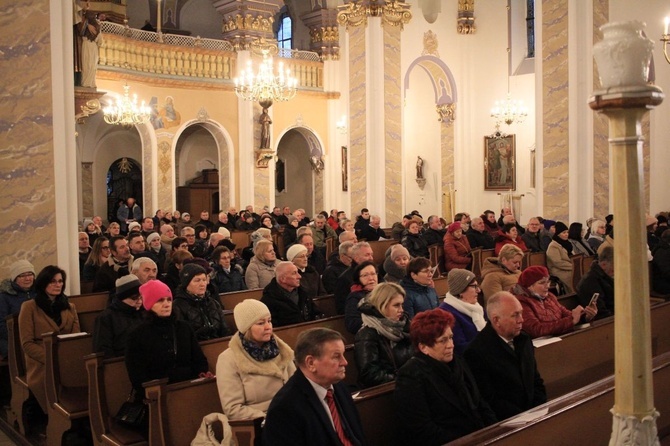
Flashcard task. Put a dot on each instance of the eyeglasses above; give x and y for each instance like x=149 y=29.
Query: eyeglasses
x=57 y=281
x=25 y=275
x=104 y=247
x=427 y=271
x=368 y=275
x=474 y=285
x=301 y=256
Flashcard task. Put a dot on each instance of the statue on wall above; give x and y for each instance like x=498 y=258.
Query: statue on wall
x=89 y=30
x=265 y=122
x=419 y=167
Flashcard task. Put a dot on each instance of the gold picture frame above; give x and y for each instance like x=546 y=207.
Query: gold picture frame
x=500 y=162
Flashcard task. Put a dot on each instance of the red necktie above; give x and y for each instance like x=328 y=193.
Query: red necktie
x=336 y=418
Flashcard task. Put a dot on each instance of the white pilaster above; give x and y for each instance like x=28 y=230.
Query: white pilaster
x=246 y=142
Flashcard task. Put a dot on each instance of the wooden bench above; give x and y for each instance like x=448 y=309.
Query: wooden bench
x=242 y=239
x=326 y=304
x=441 y=286
x=581 y=417
x=65 y=381
x=108 y=387
x=577 y=271
x=229 y=300
x=436 y=254
x=477 y=263
x=17 y=375
x=537 y=259
x=89 y=306
x=379 y=250
x=377 y=411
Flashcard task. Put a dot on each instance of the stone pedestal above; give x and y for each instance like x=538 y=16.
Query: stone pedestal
x=634 y=412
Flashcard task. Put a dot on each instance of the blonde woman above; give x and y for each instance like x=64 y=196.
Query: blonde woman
x=261 y=269
x=501 y=273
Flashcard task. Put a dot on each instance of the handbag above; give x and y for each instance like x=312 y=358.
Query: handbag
x=132 y=413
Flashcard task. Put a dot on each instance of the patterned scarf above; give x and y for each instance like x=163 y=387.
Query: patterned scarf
x=390 y=329
x=265 y=352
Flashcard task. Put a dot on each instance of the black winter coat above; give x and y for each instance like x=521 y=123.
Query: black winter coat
x=661 y=268
x=163 y=348
x=416 y=245
x=204 y=315
x=332 y=273
x=113 y=326
x=310 y=282
x=377 y=358
x=437 y=402
x=597 y=281
x=228 y=282
x=283 y=310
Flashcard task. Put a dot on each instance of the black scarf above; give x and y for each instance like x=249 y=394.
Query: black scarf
x=52 y=308
x=564 y=243
x=267 y=351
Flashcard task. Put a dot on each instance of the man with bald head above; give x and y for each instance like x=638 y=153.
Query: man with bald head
x=372 y=231
x=287 y=302
x=337 y=264
x=502 y=360
x=434 y=235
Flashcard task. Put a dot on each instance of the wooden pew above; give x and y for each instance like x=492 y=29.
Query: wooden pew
x=229 y=300
x=17 y=375
x=65 y=381
x=379 y=250
x=242 y=239
x=441 y=286
x=581 y=417
x=477 y=263
x=326 y=304
x=89 y=306
x=537 y=259
x=437 y=257
x=376 y=409
x=331 y=246
x=577 y=271
x=108 y=388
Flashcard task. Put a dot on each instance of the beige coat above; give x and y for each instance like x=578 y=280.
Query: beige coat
x=259 y=274
x=496 y=278
x=247 y=386
x=559 y=264
x=33 y=322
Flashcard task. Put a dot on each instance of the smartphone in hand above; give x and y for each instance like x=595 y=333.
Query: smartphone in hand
x=594 y=299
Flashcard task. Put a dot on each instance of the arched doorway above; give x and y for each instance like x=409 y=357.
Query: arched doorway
x=298 y=177
x=124 y=180
x=197 y=171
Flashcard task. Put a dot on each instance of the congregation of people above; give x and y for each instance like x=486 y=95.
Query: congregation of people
x=460 y=361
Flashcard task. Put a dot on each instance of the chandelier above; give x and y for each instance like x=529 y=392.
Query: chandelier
x=126 y=111
x=266 y=87
x=508 y=111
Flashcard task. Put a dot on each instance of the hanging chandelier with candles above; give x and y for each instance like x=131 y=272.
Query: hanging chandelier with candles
x=126 y=111
x=266 y=87
x=509 y=111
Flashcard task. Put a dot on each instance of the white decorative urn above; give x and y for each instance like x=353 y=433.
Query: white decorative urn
x=623 y=55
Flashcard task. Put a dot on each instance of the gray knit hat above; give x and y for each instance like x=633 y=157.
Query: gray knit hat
x=295 y=250
x=153 y=236
x=247 y=312
x=127 y=286
x=458 y=280
x=19 y=267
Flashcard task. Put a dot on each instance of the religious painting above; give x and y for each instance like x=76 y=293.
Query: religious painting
x=499 y=162
x=345 y=169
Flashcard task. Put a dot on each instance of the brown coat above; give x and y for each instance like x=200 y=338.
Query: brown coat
x=33 y=322
x=496 y=278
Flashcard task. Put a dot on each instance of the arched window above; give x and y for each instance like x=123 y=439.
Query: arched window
x=530 y=27
x=284 y=34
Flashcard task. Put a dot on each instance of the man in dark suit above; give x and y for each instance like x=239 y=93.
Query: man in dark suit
x=315 y=407
x=502 y=360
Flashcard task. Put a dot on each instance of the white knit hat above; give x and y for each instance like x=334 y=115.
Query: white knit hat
x=224 y=231
x=247 y=312
x=295 y=250
x=19 y=267
x=134 y=225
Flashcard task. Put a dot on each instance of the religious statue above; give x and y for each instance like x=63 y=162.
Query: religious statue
x=419 y=167
x=89 y=30
x=265 y=122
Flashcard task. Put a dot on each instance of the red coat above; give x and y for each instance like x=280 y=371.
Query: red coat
x=543 y=317
x=503 y=240
x=456 y=252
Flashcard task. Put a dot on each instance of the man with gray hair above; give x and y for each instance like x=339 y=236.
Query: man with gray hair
x=372 y=231
x=502 y=360
x=434 y=235
x=348 y=236
x=321 y=232
x=478 y=236
x=315 y=406
x=287 y=301
x=338 y=263
x=360 y=252
x=145 y=269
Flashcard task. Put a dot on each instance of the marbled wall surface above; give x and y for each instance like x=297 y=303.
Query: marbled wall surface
x=27 y=191
x=555 y=91
x=87 y=189
x=447 y=161
x=318 y=193
x=392 y=124
x=147 y=170
x=357 y=121
x=601 y=155
x=261 y=176
x=166 y=189
x=646 y=160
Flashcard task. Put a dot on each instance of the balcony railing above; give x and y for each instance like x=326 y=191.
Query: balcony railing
x=191 y=57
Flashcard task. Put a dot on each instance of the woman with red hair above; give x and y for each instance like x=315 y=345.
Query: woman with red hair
x=436 y=397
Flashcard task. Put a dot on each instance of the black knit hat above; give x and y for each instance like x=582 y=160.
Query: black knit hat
x=560 y=227
x=188 y=272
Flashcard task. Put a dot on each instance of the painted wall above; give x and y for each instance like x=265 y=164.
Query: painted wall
x=197 y=151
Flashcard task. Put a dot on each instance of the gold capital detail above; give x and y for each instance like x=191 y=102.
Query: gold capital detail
x=446 y=113
x=393 y=13
x=466 y=17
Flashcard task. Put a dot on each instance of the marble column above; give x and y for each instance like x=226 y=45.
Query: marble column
x=601 y=159
x=87 y=189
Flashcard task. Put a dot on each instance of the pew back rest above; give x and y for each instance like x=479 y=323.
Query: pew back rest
x=379 y=250
x=376 y=409
x=537 y=259
x=89 y=306
x=242 y=239
x=229 y=300
x=65 y=359
x=441 y=287
x=176 y=410
x=17 y=362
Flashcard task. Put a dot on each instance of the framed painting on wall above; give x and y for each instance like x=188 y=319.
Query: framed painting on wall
x=345 y=169
x=499 y=162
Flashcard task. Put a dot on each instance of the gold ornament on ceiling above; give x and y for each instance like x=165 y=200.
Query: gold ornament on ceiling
x=430 y=44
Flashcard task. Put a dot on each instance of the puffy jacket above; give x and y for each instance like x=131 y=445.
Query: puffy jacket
x=204 y=315
x=416 y=245
x=333 y=271
x=259 y=274
x=456 y=252
x=11 y=299
x=112 y=326
x=496 y=277
x=543 y=317
x=418 y=297
x=377 y=358
x=227 y=282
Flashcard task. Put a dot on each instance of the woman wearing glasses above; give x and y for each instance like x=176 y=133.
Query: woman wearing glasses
x=436 y=397
x=543 y=315
x=98 y=256
x=50 y=311
x=461 y=302
x=365 y=280
x=419 y=286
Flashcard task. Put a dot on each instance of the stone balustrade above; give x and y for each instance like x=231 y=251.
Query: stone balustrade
x=186 y=57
